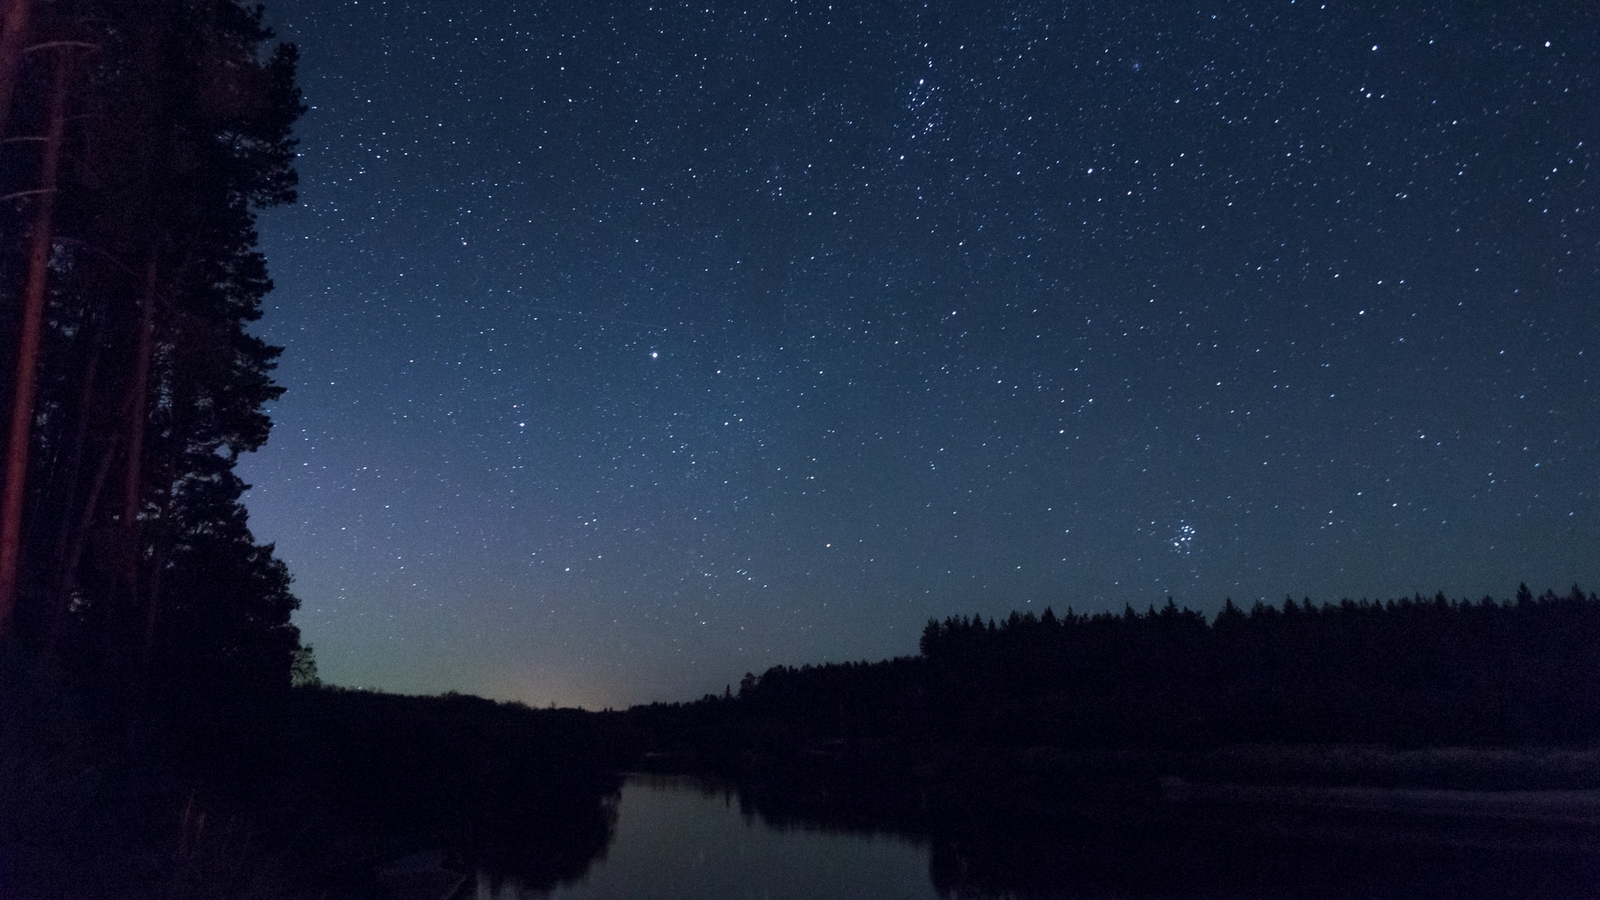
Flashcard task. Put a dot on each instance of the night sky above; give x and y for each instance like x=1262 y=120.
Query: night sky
x=631 y=348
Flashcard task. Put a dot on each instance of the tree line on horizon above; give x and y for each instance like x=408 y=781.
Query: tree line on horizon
x=1407 y=671
x=137 y=142
x=1404 y=672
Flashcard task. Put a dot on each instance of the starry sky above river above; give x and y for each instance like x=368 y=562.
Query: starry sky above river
x=633 y=347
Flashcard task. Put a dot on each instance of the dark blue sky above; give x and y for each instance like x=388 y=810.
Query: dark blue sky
x=631 y=348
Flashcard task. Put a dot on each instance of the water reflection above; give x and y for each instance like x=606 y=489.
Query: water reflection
x=682 y=838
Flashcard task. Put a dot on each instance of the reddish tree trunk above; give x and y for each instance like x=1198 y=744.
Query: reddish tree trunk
x=13 y=28
x=28 y=340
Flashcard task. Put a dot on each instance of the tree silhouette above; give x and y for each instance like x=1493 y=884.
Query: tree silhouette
x=131 y=546
x=1406 y=672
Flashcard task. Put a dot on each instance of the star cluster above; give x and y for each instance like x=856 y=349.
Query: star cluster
x=632 y=347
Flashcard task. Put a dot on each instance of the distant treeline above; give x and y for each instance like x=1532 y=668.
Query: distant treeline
x=1405 y=672
x=1408 y=672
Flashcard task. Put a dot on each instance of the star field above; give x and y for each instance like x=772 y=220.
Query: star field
x=631 y=348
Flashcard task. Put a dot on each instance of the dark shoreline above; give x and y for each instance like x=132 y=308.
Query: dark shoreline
x=1029 y=754
x=348 y=784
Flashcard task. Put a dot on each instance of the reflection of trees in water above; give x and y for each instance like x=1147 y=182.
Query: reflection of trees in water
x=541 y=844
x=1195 y=856
x=1111 y=831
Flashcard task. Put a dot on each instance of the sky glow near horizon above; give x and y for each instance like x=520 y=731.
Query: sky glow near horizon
x=630 y=348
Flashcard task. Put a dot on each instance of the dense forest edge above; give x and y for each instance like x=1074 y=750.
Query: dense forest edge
x=163 y=732
x=1410 y=672
x=1108 y=704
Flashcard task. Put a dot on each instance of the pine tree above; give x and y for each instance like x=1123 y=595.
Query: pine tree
x=136 y=544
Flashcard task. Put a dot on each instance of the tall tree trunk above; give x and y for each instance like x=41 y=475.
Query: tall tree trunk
x=13 y=28
x=14 y=493
x=68 y=540
x=133 y=486
x=73 y=553
x=152 y=607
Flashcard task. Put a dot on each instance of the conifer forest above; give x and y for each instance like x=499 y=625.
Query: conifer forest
x=140 y=139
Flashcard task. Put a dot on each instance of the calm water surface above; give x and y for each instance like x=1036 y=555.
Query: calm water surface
x=678 y=839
